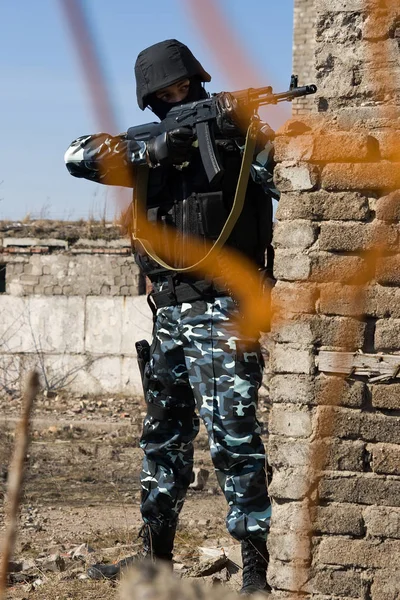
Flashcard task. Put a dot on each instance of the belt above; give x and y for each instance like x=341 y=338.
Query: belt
x=188 y=292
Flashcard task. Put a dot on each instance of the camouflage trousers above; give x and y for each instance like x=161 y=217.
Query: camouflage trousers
x=198 y=361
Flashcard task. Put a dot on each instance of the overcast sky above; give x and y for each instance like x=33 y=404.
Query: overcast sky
x=44 y=103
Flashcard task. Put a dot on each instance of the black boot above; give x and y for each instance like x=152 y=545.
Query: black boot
x=255 y=562
x=158 y=542
x=102 y=571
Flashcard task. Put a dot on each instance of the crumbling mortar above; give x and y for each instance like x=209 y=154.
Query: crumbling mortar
x=369 y=336
x=387 y=412
x=366 y=589
x=353 y=21
x=367 y=461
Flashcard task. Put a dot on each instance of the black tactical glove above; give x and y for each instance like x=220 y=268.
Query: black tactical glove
x=233 y=120
x=229 y=123
x=266 y=133
x=172 y=147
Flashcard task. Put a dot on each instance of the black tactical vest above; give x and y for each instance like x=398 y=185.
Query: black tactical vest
x=184 y=199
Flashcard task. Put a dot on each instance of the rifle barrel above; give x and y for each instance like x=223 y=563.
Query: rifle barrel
x=305 y=90
x=252 y=92
x=265 y=95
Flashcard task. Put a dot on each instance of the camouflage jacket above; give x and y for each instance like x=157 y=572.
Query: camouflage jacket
x=107 y=159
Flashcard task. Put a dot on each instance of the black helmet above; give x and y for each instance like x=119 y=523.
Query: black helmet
x=162 y=65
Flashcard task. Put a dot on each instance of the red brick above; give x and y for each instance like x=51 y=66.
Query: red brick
x=39 y=250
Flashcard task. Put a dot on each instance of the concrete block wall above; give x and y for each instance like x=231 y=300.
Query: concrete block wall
x=77 y=274
x=60 y=259
x=72 y=307
x=334 y=439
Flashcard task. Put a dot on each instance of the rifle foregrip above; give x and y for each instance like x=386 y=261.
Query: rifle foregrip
x=209 y=153
x=145 y=132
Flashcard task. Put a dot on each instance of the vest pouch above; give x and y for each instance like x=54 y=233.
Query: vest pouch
x=212 y=214
x=199 y=215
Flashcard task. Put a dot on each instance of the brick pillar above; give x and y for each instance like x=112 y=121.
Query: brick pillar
x=334 y=440
x=304 y=52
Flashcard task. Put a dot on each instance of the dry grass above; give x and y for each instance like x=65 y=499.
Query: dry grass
x=70 y=231
x=74 y=589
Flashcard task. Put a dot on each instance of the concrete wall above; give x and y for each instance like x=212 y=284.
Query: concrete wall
x=82 y=344
x=72 y=308
x=334 y=437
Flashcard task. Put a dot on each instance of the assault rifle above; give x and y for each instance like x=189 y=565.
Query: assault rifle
x=202 y=116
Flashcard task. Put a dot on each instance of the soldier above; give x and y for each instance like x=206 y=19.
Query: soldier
x=198 y=359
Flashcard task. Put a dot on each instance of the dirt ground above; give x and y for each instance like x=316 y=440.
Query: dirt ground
x=82 y=487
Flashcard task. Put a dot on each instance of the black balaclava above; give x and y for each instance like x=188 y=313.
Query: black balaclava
x=162 y=65
x=161 y=108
